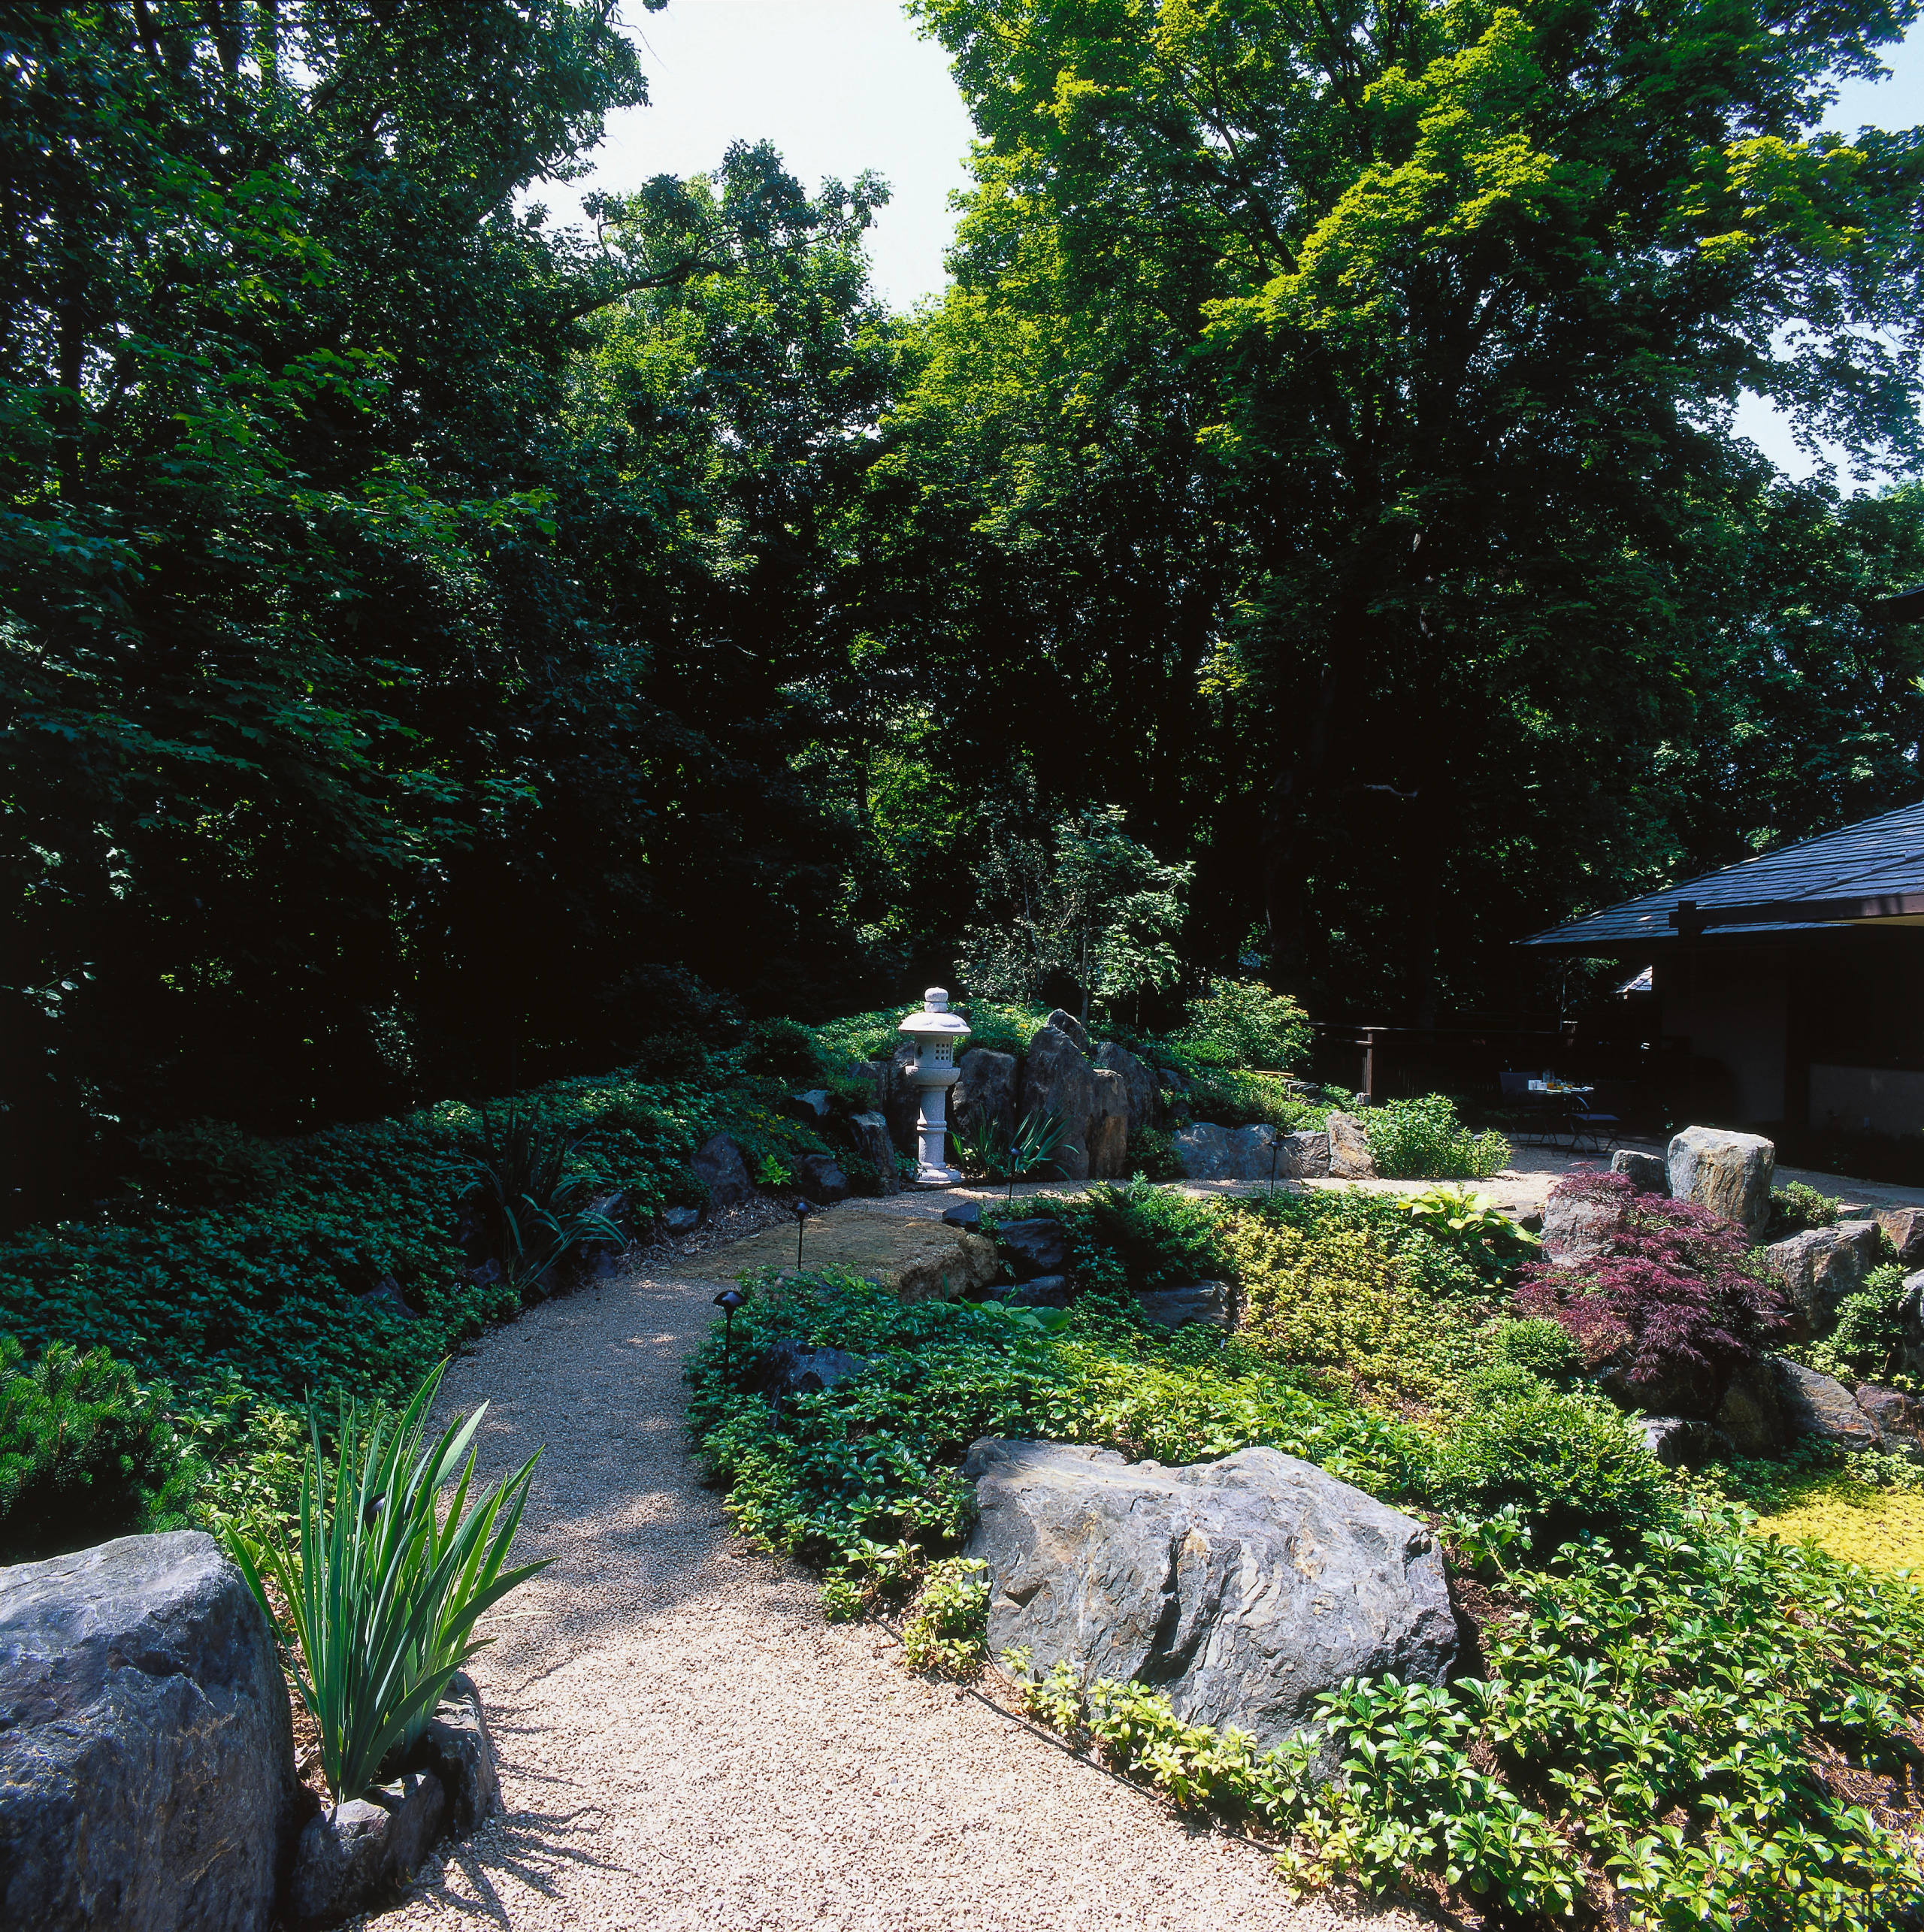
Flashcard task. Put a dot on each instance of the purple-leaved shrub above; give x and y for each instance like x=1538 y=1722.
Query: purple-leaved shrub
x=1673 y=1304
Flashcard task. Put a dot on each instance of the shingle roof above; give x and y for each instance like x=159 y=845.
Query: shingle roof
x=1876 y=857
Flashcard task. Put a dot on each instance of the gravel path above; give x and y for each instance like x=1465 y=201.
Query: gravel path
x=685 y=1743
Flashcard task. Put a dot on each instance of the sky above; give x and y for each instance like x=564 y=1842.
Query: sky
x=840 y=86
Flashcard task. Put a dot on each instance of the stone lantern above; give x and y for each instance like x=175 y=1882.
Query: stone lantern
x=937 y=1033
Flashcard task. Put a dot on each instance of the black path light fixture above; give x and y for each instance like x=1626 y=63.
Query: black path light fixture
x=1275 y=1148
x=728 y=1301
x=802 y=1210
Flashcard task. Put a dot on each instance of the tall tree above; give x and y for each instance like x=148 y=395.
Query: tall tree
x=1480 y=286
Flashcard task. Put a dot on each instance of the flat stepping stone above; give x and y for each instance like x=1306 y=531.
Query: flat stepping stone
x=920 y=1259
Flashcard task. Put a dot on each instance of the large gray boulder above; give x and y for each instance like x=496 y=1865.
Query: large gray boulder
x=1821 y=1265
x=1037 y=1246
x=359 y=1856
x=1816 y=1405
x=1350 y=1157
x=1106 y=1138
x=1055 y=1080
x=146 y=1752
x=1751 y=1411
x=1904 y=1227
x=901 y=1100
x=719 y=1166
x=822 y=1179
x=1242 y=1588
x=1213 y=1302
x=1683 y=1442
x=1139 y=1079
x=1211 y=1153
x=1579 y=1227
x=1910 y=1314
x=1067 y=1023
x=869 y=1133
x=1649 y=1173
x=1305 y=1156
x=984 y=1092
x=1729 y=1174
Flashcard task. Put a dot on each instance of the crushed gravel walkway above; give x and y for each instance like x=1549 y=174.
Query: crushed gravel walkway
x=685 y=1743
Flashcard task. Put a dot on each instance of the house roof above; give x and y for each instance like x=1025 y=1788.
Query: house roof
x=1871 y=871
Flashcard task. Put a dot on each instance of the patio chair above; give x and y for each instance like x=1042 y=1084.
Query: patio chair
x=1583 y=1123
x=1517 y=1093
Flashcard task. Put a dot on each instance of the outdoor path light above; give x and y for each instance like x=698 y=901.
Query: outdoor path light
x=937 y=1033
x=802 y=1210
x=728 y=1301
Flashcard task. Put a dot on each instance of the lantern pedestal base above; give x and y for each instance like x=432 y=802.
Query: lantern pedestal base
x=937 y=1177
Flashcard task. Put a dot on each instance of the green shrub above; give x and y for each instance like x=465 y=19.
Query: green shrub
x=1475 y=1226
x=782 y=1050
x=1233 y=1099
x=1664 y=1722
x=387 y=1580
x=1153 y=1239
x=269 y=1288
x=1348 y=1285
x=1151 y=1154
x=528 y=1174
x=1545 y=1348
x=1423 y=1140
x=1241 y=1023
x=205 y=1163
x=1867 y=1341
x=946 y=1631
x=863 y=1480
x=85 y=1454
x=1567 y=1461
x=1795 y=1207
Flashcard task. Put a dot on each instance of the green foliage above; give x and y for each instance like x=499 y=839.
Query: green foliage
x=1659 y=1718
x=946 y=1630
x=1796 y=1207
x=1154 y=1239
x=1241 y=1023
x=1151 y=1155
x=1546 y=1348
x=387 y=1578
x=204 y=1162
x=269 y=1288
x=1347 y=1285
x=533 y=1188
x=863 y=1479
x=1474 y=1223
x=1868 y=1341
x=85 y=1454
x=1423 y=1140
x=1567 y=1461
x=1033 y=1149
x=1093 y=903
x=1234 y=1099
x=783 y=1050
x=254 y=1454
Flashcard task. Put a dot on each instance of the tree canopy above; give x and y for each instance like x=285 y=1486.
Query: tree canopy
x=439 y=647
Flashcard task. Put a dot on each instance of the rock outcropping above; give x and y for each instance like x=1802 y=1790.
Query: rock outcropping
x=1729 y=1174
x=1822 y=1265
x=147 y=1754
x=1242 y=1588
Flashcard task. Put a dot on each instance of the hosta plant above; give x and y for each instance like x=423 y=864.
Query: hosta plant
x=388 y=1578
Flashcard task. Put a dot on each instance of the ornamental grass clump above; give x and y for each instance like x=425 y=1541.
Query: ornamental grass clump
x=385 y=1588
x=1671 y=1304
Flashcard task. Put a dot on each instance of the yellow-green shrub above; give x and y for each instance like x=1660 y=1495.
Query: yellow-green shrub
x=1335 y=1296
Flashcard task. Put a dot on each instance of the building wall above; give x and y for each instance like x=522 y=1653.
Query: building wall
x=1733 y=1007
x=1886 y=1101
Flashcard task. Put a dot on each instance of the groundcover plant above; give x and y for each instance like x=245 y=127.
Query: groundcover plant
x=1664 y=1718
